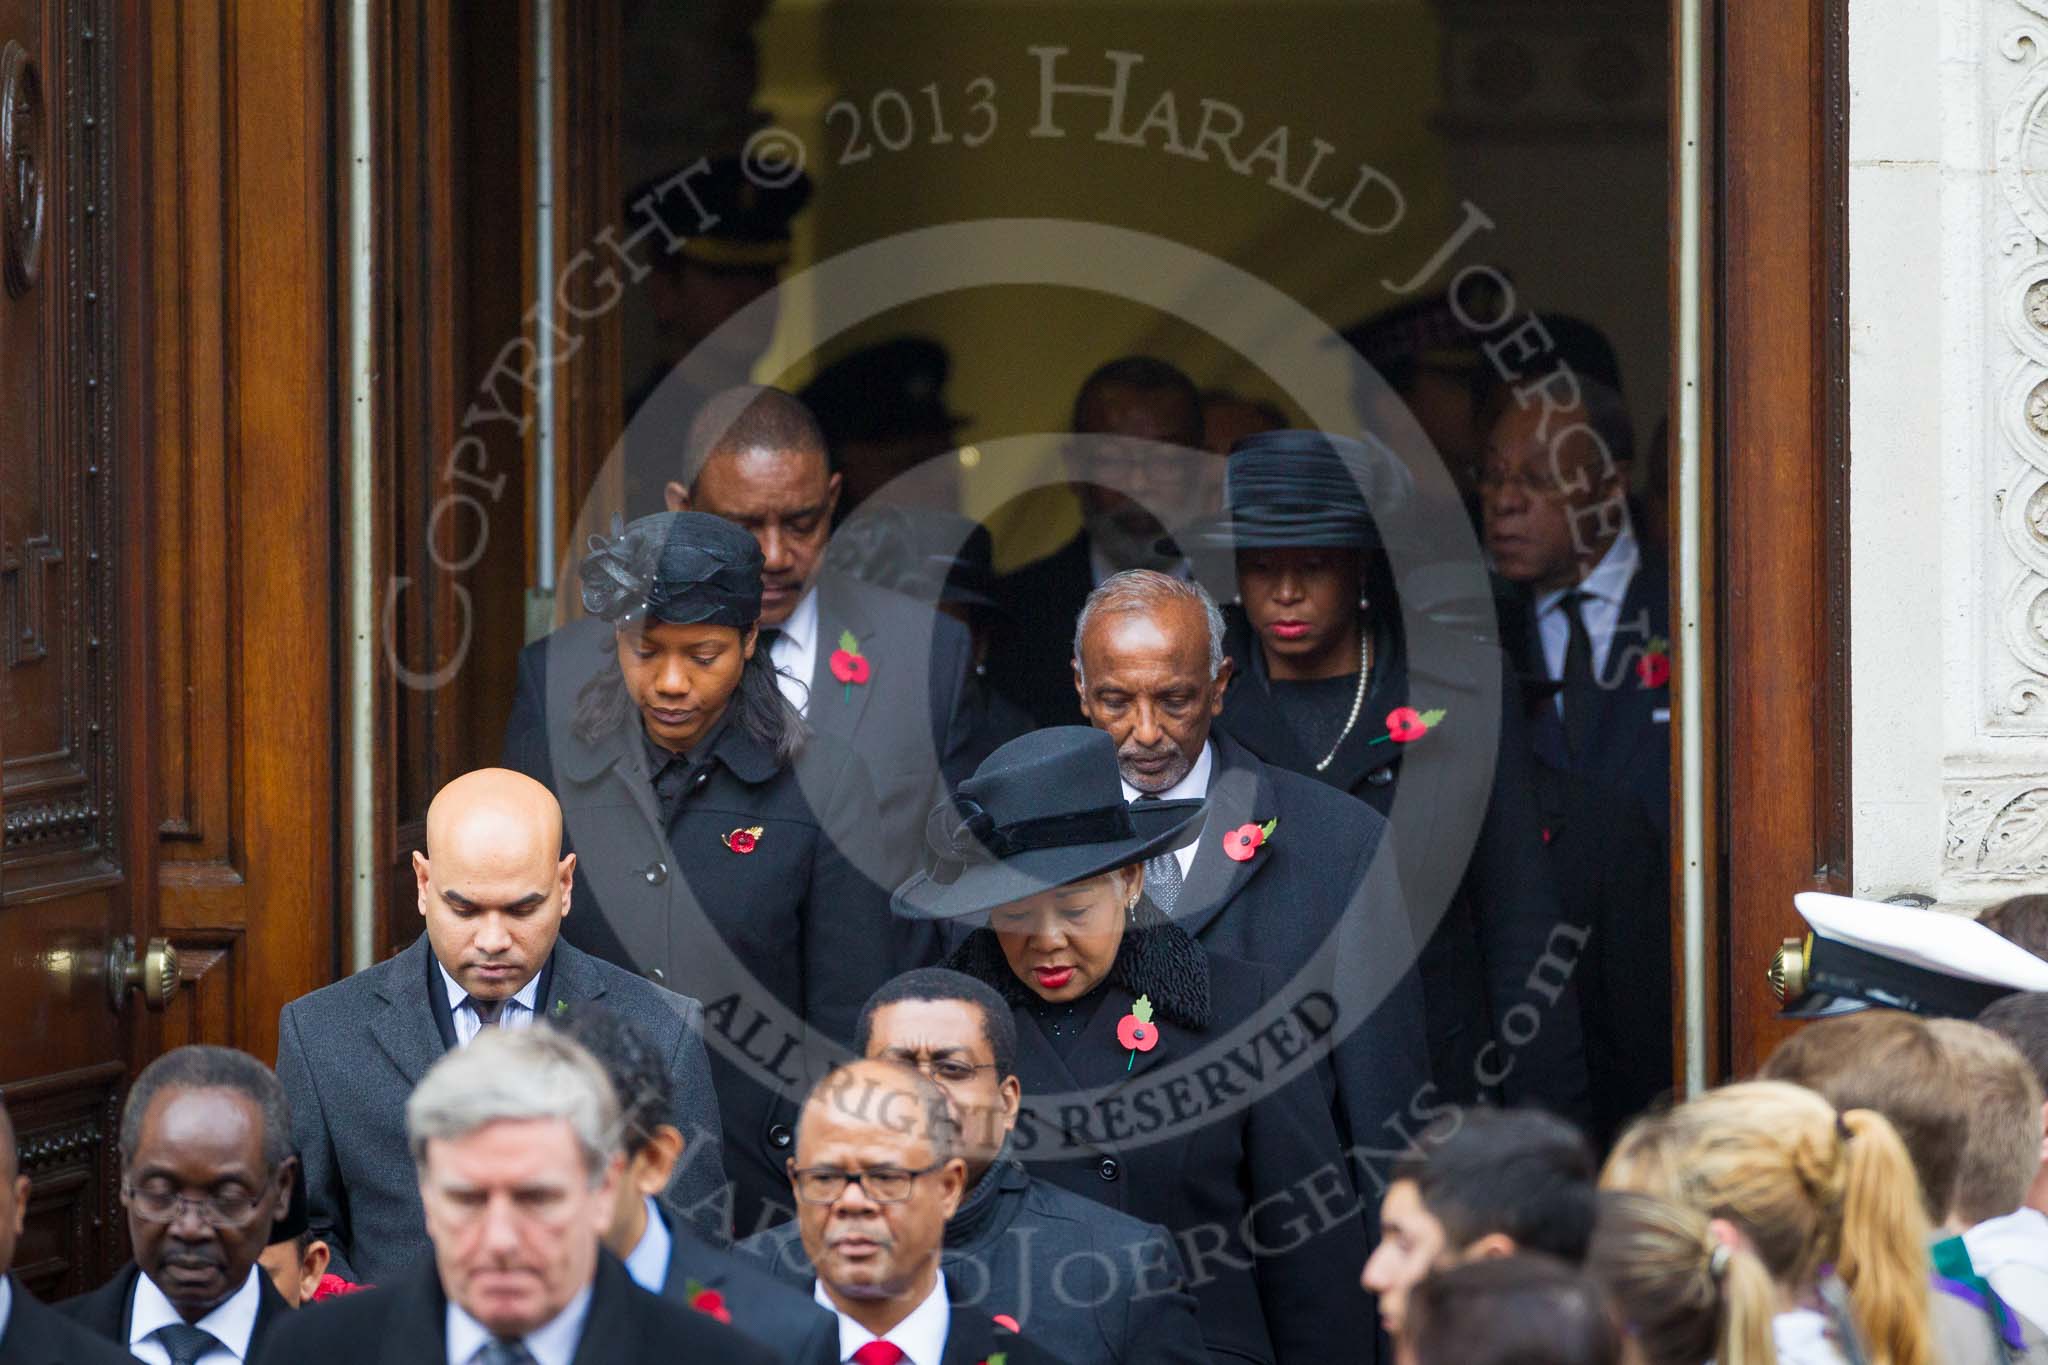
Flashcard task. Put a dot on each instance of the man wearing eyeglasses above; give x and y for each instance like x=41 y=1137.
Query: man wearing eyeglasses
x=877 y=1173
x=206 y=1168
x=1090 y=1284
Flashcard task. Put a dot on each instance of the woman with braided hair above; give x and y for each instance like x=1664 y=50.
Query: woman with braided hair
x=1827 y=1202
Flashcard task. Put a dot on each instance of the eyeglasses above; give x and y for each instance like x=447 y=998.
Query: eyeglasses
x=883 y=1184
x=229 y=1209
x=949 y=1070
x=1542 y=485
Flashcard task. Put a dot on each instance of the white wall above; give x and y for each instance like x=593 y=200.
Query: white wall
x=1948 y=232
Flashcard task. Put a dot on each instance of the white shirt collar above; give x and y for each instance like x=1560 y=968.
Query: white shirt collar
x=466 y=1022
x=552 y=1343
x=921 y=1336
x=1193 y=787
x=801 y=629
x=648 y=1263
x=231 y=1323
x=1609 y=578
x=6 y=1304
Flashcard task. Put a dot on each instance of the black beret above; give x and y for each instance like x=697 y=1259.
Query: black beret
x=744 y=223
x=675 y=568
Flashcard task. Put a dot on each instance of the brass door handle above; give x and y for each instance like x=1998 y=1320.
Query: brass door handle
x=154 y=972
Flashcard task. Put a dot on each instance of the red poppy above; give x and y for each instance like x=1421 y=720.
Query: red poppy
x=1654 y=670
x=742 y=840
x=1008 y=1323
x=851 y=669
x=711 y=1303
x=1139 y=1035
x=1405 y=725
x=332 y=1287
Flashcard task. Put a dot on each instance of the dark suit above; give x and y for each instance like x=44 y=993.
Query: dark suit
x=1496 y=943
x=104 y=1311
x=788 y=1322
x=1321 y=870
x=1231 y=1162
x=789 y=933
x=349 y=1054
x=1089 y=1284
x=972 y=1338
x=36 y=1335
x=1031 y=658
x=405 y=1323
x=1629 y=745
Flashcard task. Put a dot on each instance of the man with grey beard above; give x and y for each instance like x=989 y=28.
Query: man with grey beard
x=1150 y=670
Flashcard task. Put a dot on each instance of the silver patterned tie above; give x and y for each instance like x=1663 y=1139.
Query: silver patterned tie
x=1162 y=875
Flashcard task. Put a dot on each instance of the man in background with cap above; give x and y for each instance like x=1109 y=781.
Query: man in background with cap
x=733 y=232
x=884 y=414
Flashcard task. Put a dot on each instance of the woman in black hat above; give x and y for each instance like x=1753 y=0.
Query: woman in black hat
x=1334 y=679
x=1165 y=1082
x=716 y=842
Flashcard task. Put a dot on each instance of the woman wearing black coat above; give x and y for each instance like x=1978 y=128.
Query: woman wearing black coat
x=1335 y=677
x=714 y=839
x=1177 y=1087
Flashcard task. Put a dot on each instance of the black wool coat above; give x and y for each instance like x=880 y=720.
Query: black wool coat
x=1089 y=1284
x=104 y=1311
x=786 y=934
x=36 y=1335
x=405 y=1323
x=1497 y=949
x=1328 y=867
x=788 y=1322
x=1201 y=1135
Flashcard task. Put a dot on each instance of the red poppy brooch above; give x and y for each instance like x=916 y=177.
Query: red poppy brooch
x=1405 y=725
x=707 y=1301
x=743 y=840
x=848 y=664
x=1136 y=1030
x=1653 y=669
x=1248 y=838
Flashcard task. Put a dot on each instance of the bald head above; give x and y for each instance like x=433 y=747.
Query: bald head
x=493 y=884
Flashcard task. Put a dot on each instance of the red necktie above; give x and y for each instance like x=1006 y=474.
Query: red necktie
x=879 y=1353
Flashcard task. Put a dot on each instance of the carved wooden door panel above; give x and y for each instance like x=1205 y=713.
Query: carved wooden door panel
x=76 y=861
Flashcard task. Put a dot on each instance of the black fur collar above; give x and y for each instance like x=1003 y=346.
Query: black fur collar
x=1157 y=959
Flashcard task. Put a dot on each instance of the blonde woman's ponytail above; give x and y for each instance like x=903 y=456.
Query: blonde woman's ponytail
x=1884 y=1234
x=1749 y=1300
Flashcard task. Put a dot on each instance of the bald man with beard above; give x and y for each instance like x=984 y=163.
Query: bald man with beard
x=494 y=888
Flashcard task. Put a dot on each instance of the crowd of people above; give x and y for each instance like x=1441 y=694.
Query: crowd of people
x=862 y=955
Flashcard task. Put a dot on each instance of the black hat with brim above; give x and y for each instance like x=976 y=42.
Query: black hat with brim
x=1303 y=490
x=1043 y=810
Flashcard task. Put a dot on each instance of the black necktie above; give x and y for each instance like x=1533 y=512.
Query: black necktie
x=1581 y=694
x=500 y=1352
x=488 y=1012
x=767 y=639
x=186 y=1343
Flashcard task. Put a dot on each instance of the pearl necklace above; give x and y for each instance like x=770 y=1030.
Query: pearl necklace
x=1357 y=698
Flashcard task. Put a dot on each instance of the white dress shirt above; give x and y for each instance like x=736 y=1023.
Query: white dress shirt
x=2012 y=1253
x=6 y=1305
x=795 y=652
x=648 y=1263
x=1193 y=787
x=921 y=1336
x=552 y=1343
x=231 y=1322
x=517 y=1013
x=1605 y=587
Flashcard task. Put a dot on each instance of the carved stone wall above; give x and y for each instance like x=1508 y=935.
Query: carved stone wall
x=1949 y=446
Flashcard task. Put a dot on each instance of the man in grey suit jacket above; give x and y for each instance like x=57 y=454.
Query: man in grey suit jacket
x=493 y=892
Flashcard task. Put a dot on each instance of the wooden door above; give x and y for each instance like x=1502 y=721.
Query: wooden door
x=78 y=855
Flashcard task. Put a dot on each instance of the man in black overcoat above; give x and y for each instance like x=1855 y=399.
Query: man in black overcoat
x=518 y=1166
x=1313 y=897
